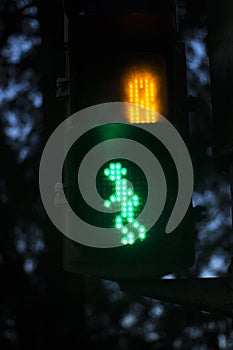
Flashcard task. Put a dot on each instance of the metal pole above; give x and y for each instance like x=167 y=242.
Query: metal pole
x=210 y=294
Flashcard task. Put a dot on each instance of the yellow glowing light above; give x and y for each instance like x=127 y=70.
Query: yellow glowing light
x=143 y=90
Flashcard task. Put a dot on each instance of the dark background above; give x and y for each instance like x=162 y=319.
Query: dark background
x=40 y=305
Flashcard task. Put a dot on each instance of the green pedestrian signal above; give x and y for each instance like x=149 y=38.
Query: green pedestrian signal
x=127 y=201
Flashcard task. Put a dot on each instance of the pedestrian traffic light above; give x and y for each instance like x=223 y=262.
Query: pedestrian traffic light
x=134 y=58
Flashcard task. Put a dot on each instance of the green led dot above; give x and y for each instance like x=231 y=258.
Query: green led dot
x=124 y=230
x=118 y=177
x=130 y=192
x=130 y=209
x=130 y=235
x=142 y=229
x=118 y=165
x=124 y=182
x=118 y=225
x=124 y=215
x=135 y=197
x=112 y=178
x=106 y=172
x=118 y=183
x=112 y=198
x=112 y=166
x=135 y=224
x=112 y=172
x=142 y=236
x=123 y=171
x=118 y=219
x=107 y=204
x=118 y=199
x=124 y=204
x=130 y=214
x=135 y=204
x=124 y=199
x=130 y=204
x=124 y=240
x=131 y=241
x=124 y=209
x=130 y=219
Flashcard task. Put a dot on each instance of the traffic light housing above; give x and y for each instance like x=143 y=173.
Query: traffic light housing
x=129 y=57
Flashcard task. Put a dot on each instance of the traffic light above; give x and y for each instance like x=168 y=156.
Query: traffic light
x=131 y=57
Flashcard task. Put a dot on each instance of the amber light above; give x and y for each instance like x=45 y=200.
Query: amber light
x=142 y=88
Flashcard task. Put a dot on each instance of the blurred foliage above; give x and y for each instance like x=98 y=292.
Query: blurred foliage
x=112 y=319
